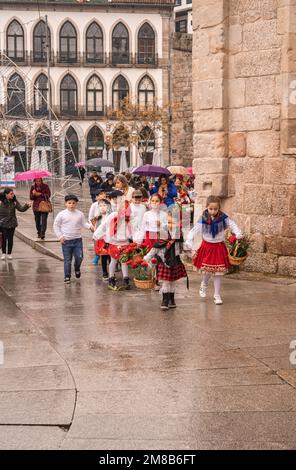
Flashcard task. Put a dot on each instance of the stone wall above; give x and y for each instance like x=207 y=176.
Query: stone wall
x=182 y=117
x=245 y=121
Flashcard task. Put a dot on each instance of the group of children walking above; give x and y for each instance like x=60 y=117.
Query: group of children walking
x=116 y=223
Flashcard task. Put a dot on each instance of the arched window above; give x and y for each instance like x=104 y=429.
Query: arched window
x=94 y=96
x=146 y=45
x=121 y=141
x=94 y=44
x=69 y=95
x=120 y=90
x=15 y=41
x=39 y=42
x=95 y=142
x=120 y=45
x=146 y=92
x=41 y=95
x=68 y=43
x=71 y=151
x=16 y=96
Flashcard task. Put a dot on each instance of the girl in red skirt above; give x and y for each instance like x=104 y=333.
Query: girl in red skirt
x=116 y=231
x=170 y=267
x=212 y=257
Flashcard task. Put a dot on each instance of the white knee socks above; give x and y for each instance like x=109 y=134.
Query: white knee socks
x=112 y=268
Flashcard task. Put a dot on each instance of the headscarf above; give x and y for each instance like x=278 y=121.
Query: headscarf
x=214 y=225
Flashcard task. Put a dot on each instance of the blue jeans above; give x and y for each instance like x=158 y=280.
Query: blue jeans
x=72 y=248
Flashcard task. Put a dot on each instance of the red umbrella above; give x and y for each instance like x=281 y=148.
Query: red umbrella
x=32 y=175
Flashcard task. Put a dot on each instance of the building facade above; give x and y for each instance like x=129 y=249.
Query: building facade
x=244 y=121
x=100 y=52
x=183 y=16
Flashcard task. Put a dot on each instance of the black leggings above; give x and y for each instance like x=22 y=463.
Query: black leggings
x=105 y=261
x=7 y=239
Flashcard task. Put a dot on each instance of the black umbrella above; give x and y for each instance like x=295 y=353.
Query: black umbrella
x=99 y=162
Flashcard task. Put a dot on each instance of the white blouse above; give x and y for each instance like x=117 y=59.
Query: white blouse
x=220 y=237
x=104 y=231
x=153 y=221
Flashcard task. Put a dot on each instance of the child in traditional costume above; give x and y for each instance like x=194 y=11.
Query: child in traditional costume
x=212 y=257
x=170 y=267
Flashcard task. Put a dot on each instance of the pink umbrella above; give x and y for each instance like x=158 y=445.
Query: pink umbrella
x=32 y=175
x=79 y=164
x=190 y=171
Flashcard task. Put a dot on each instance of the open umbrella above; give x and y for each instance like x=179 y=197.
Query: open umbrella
x=99 y=162
x=79 y=164
x=151 y=170
x=178 y=170
x=31 y=175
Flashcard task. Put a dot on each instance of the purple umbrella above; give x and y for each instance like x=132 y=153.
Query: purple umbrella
x=151 y=170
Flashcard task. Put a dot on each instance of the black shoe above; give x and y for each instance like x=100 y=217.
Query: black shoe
x=67 y=280
x=172 y=300
x=105 y=277
x=38 y=235
x=165 y=301
x=42 y=237
x=112 y=284
x=126 y=283
x=77 y=274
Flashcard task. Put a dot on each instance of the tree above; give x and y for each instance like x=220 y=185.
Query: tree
x=143 y=124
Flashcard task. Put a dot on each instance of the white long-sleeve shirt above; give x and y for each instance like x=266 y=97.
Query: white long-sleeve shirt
x=69 y=224
x=104 y=231
x=220 y=237
x=153 y=221
x=94 y=211
x=137 y=213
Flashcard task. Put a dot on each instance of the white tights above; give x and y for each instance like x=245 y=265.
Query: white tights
x=112 y=268
x=168 y=286
x=216 y=280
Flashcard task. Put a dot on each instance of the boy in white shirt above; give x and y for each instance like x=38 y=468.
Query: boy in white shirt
x=138 y=210
x=67 y=226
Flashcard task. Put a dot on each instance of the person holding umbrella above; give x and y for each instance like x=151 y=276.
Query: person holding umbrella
x=166 y=190
x=40 y=192
x=8 y=221
x=94 y=182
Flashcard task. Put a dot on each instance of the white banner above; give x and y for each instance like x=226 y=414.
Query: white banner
x=7 y=172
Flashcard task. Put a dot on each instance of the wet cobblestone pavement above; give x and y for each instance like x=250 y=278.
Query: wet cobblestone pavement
x=85 y=368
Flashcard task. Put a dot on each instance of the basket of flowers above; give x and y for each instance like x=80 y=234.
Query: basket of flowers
x=144 y=277
x=237 y=248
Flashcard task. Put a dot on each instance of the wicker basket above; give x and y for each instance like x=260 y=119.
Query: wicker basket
x=235 y=260
x=148 y=284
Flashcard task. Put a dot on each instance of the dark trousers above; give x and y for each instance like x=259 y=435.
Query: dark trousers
x=105 y=262
x=7 y=240
x=41 y=222
x=72 y=248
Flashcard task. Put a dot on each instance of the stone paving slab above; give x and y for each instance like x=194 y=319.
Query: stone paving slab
x=43 y=407
x=194 y=400
x=31 y=437
x=90 y=377
x=35 y=378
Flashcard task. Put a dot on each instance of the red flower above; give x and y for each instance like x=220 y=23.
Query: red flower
x=154 y=261
x=144 y=263
x=232 y=239
x=129 y=262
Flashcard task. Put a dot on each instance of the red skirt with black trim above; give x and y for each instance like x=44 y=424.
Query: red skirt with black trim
x=212 y=257
x=171 y=274
x=101 y=248
x=113 y=250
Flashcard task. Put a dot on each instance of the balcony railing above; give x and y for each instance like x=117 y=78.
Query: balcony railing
x=112 y=59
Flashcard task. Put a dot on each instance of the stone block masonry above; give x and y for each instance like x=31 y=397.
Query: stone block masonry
x=244 y=55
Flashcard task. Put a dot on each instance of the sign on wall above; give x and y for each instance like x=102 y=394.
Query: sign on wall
x=7 y=172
